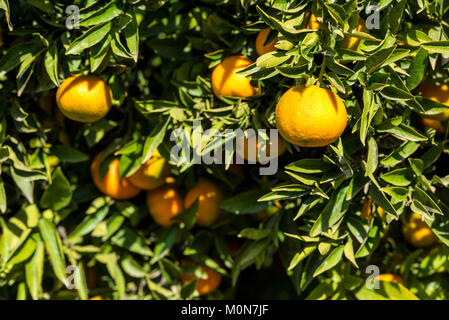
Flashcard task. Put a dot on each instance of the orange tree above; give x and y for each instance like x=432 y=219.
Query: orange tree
x=91 y=91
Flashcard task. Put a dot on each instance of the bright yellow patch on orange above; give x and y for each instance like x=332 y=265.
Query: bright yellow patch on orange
x=313 y=23
x=225 y=81
x=210 y=197
x=111 y=185
x=260 y=41
x=310 y=116
x=388 y=277
x=84 y=98
x=435 y=124
x=436 y=93
x=203 y=286
x=151 y=174
x=352 y=42
x=163 y=204
x=366 y=210
x=417 y=232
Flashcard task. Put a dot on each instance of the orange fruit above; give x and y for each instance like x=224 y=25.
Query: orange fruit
x=313 y=23
x=225 y=81
x=96 y=298
x=261 y=47
x=366 y=209
x=210 y=197
x=352 y=42
x=111 y=185
x=439 y=93
x=417 y=232
x=388 y=277
x=203 y=286
x=310 y=116
x=251 y=148
x=84 y=98
x=163 y=204
x=151 y=174
x=435 y=124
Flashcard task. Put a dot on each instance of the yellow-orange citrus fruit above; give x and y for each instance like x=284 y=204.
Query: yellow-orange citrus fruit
x=439 y=93
x=418 y=233
x=366 y=210
x=389 y=277
x=203 y=286
x=210 y=197
x=96 y=298
x=352 y=42
x=151 y=174
x=435 y=124
x=225 y=81
x=84 y=98
x=163 y=204
x=262 y=36
x=310 y=116
x=251 y=148
x=313 y=23
x=111 y=185
x=381 y=212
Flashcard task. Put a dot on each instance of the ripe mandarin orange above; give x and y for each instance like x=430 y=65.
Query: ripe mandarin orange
x=261 y=47
x=163 y=204
x=225 y=81
x=210 y=197
x=439 y=93
x=389 y=277
x=417 y=232
x=435 y=124
x=152 y=173
x=111 y=185
x=313 y=23
x=84 y=98
x=203 y=286
x=352 y=42
x=310 y=116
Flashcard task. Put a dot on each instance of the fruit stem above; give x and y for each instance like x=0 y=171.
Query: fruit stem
x=323 y=69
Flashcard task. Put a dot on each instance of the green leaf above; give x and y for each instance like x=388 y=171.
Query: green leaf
x=34 y=269
x=90 y=38
x=386 y=291
x=51 y=64
x=371 y=163
x=128 y=239
x=104 y=14
x=254 y=234
x=154 y=140
x=332 y=213
x=132 y=37
x=245 y=202
x=58 y=194
x=53 y=247
x=68 y=154
x=375 y=61
x=164 y=244
x=417 y=69
x=399 y=177
x=331 y=261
